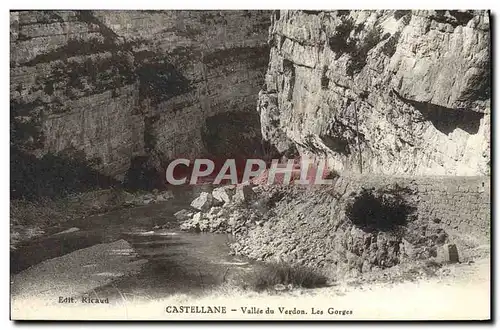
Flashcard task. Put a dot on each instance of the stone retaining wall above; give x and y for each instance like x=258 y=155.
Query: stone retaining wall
x=460 y=203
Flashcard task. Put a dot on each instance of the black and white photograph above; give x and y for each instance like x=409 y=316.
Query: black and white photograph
x=211 y=165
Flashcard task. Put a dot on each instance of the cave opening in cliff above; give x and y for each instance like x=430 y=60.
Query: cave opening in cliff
x=143 y=175
x=234 y=135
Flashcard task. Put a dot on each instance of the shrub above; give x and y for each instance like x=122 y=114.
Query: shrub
x=359 y=55
x=332 y=174
x=339 y=42
x=160 y=81
x=389 y=47
x=400 y=13
x=343 y=43
x=268 y=275
x=383 y=210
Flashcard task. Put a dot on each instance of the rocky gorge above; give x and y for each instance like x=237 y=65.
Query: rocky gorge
x=131 y=90
x=387 y=92
x=398 y=103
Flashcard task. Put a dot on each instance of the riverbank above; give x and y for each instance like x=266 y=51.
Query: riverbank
x=125 y=257
x=137 y=256
x=462 y=293
x=32 y=219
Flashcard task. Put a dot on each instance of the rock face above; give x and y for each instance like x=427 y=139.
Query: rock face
x=392 y=92
x=125 y=84
x=203 y=202
x=223 y=194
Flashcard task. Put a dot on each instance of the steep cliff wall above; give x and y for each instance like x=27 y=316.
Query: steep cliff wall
x=125 y=84
x=393 y=92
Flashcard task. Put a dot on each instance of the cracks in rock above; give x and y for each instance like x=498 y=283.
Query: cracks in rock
x=389 y=47
x=340 y=138
x=444 y=119
x=336 y=144
x=310 y=144
x=303 y=43
x=325 y=81
x=276 y=14
x=50 y=18
x=340 y=85
x=362 y=96
x=289 y=73
x=453 y=17
x=303 y=65
x=47 y=17
x=256 y=56
x=294 y=63
x=88 y=17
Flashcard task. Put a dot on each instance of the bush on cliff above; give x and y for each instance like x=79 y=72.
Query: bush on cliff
x=383 y=210
x=273 y=274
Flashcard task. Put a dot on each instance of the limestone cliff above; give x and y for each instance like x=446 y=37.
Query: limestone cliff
x=393 y=92
x=119 y=85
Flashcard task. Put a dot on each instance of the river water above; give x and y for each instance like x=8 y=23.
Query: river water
x=170 y=261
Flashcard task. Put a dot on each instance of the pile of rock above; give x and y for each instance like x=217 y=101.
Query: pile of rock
x=228 y=209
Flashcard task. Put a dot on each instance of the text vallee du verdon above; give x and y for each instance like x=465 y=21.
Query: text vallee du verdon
x=253 y=310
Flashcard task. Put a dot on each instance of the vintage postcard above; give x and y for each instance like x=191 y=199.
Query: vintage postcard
x=250 y=164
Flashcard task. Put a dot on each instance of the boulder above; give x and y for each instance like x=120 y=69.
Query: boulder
x=162 y=197
x=148 y=196
x=183 y=215
x=128 y=198
x=223 y=194
x=244 y=193
x=196 y=218
x=216 y=224
x=203 y=202
x=193 y=224
x=237 y=219
x=218 y=218
x=201 y=221
x=214 y=212
x=186 y=226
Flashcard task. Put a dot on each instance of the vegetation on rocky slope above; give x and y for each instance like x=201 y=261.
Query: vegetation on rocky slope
x=282 y=276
